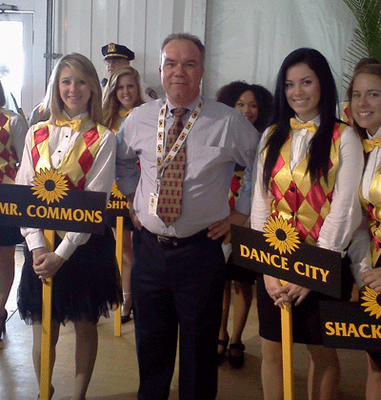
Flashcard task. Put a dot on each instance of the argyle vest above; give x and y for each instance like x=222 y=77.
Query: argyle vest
x=373 y=207
x=78 y=161
x=296 y=199
x=8 y=157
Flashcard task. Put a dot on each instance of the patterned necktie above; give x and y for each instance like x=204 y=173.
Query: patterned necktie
x=171 y=188
x=370 y=144
x=310 y=126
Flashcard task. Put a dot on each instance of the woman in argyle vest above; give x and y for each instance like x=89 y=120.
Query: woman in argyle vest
x=364 y=94
x=12 y=136
x=308 y=173
x=86 y=281
x=121 y=95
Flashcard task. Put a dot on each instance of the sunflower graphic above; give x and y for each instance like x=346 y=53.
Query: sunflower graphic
x=115 y=192
x=281 y=235
x=50 y=185
x=371 y=300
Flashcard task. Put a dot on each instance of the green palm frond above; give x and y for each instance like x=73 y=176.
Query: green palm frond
x=367 y=37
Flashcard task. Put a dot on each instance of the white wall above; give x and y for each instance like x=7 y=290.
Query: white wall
x=140 y=25
x=248 y=39
x=245 y=39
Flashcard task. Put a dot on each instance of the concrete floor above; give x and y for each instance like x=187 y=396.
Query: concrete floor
x=116 y=371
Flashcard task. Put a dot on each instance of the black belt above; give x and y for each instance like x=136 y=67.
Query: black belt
x=174 y=242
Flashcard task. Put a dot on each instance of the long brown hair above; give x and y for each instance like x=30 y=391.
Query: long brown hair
x=111 y=104
x=320 y=146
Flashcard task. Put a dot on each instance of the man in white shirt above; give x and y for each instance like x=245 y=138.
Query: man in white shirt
x=179 y=268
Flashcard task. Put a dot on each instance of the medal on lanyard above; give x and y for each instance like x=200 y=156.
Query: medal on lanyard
x=162 y=162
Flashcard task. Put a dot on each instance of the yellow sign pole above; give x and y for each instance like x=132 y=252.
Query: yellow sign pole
x=46 y=347
x=287 y=342
x=288 y=370
x=119 y=259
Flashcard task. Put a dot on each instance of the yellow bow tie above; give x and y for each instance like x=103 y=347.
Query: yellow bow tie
x=370 y=144
x=310 y=126
x=74 y=124
x=123 y=113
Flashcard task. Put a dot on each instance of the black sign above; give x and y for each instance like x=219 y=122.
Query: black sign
x=351 y=325
x=309 y=266
x=118 y=204
x=66 y=210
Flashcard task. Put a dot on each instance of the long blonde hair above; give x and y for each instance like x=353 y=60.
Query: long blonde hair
x=85 y=68
x=111 y=104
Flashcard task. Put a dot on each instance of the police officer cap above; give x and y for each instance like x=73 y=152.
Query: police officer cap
x=113 y=50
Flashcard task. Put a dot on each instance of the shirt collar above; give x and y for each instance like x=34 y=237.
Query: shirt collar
x=189 y=107
x=316 y=120
x=79 y=116
x=378 y=133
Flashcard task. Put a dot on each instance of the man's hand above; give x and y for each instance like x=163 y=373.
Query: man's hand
x=222 y=227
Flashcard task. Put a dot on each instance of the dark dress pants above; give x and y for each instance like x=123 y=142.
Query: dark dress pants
x=177 y=289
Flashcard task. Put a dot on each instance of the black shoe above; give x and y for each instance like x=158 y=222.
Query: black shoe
x=224 y=344
x=3 y=327
x=236 y=357
x=51 y=393
x=126 y=318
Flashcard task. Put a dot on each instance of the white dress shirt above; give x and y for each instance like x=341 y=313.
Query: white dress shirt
x=220 y=137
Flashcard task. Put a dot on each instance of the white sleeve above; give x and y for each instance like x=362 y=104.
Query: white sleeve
x=262 y=199
x=359 y=251
x=18 y=129
x=345 y=213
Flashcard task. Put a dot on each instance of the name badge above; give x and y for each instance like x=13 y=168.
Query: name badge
x=152 y=207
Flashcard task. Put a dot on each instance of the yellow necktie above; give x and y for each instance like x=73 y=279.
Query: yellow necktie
x=370 y=144
x=74 y=124
x=296 y=125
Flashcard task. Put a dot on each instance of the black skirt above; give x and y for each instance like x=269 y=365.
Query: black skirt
x=238 y=273
x=376 y=357
x=306 y=322
x=86 y=287
x=10 y=236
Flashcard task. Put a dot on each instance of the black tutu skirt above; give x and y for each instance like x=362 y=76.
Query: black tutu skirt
x=10 y=236
x=306 y=322
x=86 y=287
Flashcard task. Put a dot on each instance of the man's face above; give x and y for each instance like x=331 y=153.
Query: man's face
x=112 y=64
x=181 y=71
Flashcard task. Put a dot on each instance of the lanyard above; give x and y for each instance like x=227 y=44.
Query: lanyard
x=163 y=162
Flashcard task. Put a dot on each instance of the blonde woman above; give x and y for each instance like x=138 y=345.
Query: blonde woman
x=86 y=281
x=364 y=94
x=122 y=93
